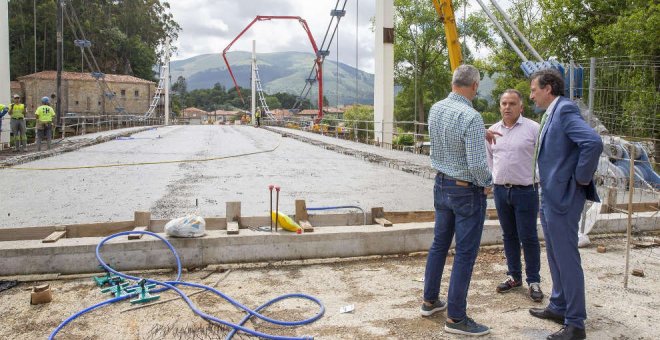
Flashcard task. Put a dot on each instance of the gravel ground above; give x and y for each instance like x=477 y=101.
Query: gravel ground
x=384 y=290
x=321 y=177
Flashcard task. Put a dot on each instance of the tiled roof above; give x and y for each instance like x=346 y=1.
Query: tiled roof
x=193 y=112
x=224 y=113
x=308 y=112
x=111 y=78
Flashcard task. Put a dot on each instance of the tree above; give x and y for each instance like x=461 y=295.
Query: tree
x=420 y=56
x=180 y=86
x=125 y=34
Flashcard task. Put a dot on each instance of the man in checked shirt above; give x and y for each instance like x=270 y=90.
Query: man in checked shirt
x=516 y=193
x=458 y=153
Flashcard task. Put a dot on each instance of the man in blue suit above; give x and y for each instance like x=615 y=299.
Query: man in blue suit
x=567 y=152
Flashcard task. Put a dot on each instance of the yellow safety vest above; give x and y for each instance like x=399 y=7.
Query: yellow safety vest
x=17 y=111
x=45 y=113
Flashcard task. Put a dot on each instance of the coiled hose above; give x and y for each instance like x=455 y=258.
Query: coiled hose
x=172 y=285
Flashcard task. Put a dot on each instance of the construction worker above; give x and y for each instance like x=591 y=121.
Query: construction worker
x=3 y=112
x=257 y=115
x=44 y=114
x=17 y=124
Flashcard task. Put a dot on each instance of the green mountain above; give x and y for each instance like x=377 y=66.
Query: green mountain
x=279 y=72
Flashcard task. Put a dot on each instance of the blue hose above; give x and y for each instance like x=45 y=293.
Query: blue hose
x=172 y=285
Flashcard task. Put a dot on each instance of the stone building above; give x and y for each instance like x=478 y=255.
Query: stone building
x=82 y=94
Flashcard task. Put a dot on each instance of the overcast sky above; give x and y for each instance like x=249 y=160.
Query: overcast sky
x=208 y=26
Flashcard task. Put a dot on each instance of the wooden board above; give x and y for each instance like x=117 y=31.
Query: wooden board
x=307 y=227
x=137 y=236
x=54 y=236
x=233 y=217
x=232 y=228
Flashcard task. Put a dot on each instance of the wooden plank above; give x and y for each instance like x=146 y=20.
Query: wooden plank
x=233 y=217
x=54 y=236
x=307 y=227
x=302 y=217
x=383 y=222
x=98 y=229
x=137 y=236
x=28 y=233
x=410 y=216
x=142 y=219
x=232 y=228
x=301 y=211
x=378 y=217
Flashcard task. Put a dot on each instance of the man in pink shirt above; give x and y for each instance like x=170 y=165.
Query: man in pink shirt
x=516 y=193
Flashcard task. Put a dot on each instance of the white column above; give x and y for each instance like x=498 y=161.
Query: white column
x=384 y=77
x=254 y=81
x=5 y=85
x=166 y=81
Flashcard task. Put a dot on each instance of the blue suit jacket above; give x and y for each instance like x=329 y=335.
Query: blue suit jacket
x=568 y=155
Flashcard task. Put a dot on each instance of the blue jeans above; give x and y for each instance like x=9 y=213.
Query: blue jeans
x=517 y=209
x=459 y=211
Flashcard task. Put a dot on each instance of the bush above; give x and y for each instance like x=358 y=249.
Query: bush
x=407 y=139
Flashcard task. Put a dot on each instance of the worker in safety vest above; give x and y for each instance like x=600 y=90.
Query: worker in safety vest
x=3 y=112
x=44 y=114
x=257 y=115
x=17 y=123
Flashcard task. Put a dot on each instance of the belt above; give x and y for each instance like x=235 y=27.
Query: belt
x=459 y=182
x=509 y=186
x=17 y=118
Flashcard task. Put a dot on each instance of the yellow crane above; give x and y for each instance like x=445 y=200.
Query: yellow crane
x=446 y=12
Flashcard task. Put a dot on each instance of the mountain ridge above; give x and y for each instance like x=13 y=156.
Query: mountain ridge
x=278 y=72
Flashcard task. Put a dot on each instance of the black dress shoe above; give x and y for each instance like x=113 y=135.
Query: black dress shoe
x=544 y=313
x=568 y=333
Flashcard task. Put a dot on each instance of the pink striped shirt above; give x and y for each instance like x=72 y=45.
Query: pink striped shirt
x=510 y=160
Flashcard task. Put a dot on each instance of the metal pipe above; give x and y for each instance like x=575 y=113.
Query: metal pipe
x=270 y=211
x=502 y=31
x=592 y=89
x=571 y=80
x=515 y=30
x=277 y=205
x=631 y=189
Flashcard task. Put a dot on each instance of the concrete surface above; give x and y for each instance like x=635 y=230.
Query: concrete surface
x=304 y=171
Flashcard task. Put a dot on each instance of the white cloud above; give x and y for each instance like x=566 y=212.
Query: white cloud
x=209 y=26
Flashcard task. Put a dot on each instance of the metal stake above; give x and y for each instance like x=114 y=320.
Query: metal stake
x=277 y=205
x=270 y=211
x=631 y=189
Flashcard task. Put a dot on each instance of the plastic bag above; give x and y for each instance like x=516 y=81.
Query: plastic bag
x=187 y=226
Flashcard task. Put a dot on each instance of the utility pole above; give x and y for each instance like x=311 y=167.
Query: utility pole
x=4 y=68
x=58 y=107
x=254 y=81
x=166 y=75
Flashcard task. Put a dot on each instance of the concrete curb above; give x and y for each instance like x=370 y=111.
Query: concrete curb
x=69 y=145
x=77 y=255
x=415 y=169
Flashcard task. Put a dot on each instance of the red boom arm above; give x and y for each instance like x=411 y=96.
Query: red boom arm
x=319 y=70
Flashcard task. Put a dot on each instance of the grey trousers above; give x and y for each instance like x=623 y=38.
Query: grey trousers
x=18 y=130
x=45 y=130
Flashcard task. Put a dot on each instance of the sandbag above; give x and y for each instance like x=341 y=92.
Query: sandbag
x=187 y=226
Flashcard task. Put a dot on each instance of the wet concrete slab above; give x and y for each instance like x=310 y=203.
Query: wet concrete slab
x=200 y=180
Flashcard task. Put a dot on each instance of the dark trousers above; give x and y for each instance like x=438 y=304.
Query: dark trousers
x=517 y=209
x=561 y=239
x=459 y=212
x=44 y=130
